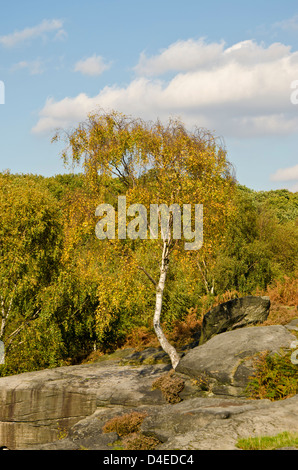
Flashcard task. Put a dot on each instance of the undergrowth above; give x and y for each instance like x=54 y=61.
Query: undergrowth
x=283 y=294
x=275 y=377
x=170 y=386
x=125 y=424
x=284 y=291
x=127 y=427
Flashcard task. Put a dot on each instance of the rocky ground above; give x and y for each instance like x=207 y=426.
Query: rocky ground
x=195 y=424
x=67 y=407
x=202 y=405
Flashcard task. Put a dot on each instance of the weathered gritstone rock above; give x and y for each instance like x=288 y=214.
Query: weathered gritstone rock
x=265 y=418
x=225 y=361
x=67 y=407
x=37 y=407
x=194 y=414
x=196 y=424
x=235 y=313
x=293 y=325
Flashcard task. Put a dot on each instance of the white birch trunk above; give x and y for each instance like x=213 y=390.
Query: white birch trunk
x=3 y=318
x=166 y=346
x=5 y=313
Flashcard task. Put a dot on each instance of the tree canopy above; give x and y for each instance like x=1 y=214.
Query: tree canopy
x=157 y=164
x=64 y=293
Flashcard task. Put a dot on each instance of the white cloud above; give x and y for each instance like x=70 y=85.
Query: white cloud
x=180 y=56
x=60 y=35
x=286 y=174
x=290 y=24
x=190 y=55
x=294 y=188
x=92 y=66
x=34 y=32
x=35 y=67
x=242 y=90
x=64 y=113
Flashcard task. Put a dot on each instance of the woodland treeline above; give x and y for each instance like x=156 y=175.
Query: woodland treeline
x=64 y=293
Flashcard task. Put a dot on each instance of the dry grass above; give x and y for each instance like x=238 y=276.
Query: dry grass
x=137 y=441
x=280 y=314
x=226 y=296
x=141 y=338
x=170 y=386
x=283 y=296
x=284 y=291
x=126 y=424
x=127 y=427
x=183 y=331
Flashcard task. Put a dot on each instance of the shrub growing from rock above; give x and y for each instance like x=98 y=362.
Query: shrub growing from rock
x=127 y=427
x=138 y=441
x=125 y=424
x=170 y=386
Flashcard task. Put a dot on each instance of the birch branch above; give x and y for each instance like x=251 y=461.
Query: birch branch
x=19 y=329
x=148 y=275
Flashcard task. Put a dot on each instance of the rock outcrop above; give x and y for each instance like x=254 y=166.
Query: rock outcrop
x=234 y=314
x=37 y=407
x=195 y=424
x=217 y=424
x=67 y=407
x=226 y=362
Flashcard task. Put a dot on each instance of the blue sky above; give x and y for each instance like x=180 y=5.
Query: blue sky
x=224 y=65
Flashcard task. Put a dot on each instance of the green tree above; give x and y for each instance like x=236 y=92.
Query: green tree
x=260 y=244
x=30 y=246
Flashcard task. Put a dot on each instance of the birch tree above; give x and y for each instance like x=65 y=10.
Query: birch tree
x=158 y=164
x=29 y=227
